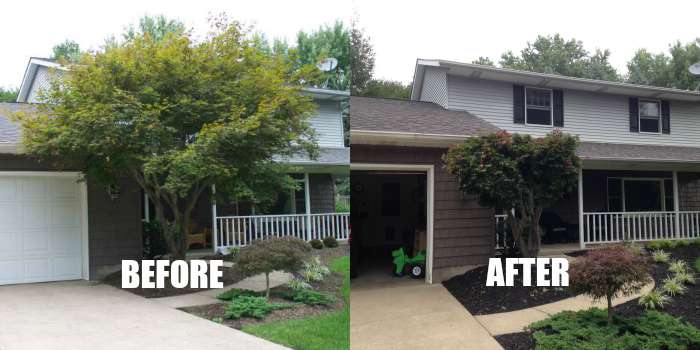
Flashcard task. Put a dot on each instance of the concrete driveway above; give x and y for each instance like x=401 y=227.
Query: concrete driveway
x=82 y=315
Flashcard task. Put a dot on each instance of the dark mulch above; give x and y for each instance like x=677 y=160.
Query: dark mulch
x=577 y=253
x=516 y=341
x=471 y=290
x=230 y=276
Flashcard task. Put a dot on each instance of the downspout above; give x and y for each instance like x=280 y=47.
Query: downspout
x=215 y=226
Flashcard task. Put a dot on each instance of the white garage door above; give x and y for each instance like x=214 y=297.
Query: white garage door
x=40 y=228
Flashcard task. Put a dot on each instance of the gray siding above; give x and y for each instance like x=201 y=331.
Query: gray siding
x=463 y=230
x=435 y=86
x=595 y=117
x=41 y=81
x=328 y=124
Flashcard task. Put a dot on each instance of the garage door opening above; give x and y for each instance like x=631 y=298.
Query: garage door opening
x=390 y=225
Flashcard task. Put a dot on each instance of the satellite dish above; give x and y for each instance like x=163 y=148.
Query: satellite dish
x=328 y=64
x=695 y=69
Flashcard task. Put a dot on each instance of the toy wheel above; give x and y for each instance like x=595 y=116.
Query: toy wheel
x=417 y=271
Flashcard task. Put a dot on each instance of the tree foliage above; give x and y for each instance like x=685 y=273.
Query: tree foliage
x=157 y=27
x=275 y=254
x=607 y=273
x=361 y=61
x=555 y=55
x=177 y=116
x=327 y=41
x=484 y=61
x=8 y=94
x=520 y=172
x=664 y=70
x=68 y=51
x=386 y=89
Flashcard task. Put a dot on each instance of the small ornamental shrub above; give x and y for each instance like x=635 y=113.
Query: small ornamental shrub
x=314 y=270
x=234 y=252
x=316 y=243
x=608 y=273
x=654 y=300
x=662 y=244
x=697 y=264
x=309 y=297
x=673 y=287
x=660 y=256
x=249 y=306
x=274 y=254
x=235 y=292
x=298 y=284
x=687 y=277
x=330 y=242
x=696 y=242
x=678 y=266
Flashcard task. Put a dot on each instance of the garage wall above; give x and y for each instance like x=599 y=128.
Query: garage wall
x=114 y=225
x=463 y=230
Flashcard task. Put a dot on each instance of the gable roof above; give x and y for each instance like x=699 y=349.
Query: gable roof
x=30 y=73
x=478 y=71
x=387 y=121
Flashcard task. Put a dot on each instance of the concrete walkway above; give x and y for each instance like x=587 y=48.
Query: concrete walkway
x=515 y=321
x=413 y=316
x=255 y=283
x=81 y=315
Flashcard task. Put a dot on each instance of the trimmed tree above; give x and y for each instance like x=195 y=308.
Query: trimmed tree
x=177 y=115
x=608 y=273
x=519 y=172
x=275 y=254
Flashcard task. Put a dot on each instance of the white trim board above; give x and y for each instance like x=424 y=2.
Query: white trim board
x=430 y=201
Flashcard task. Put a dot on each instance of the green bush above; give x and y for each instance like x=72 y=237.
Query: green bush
x=251 y=306
x=654 y=300
x=330 y=242
x=673 y=287
x=588 y=329
x=309 y=297
x=696 y=242
x=662 y=244
x=697 y=264
x=660 y=256
x=235 y=292
x=316 y=244
x=687 y=277
x=314 y=270
x=298 y=283
x=678 y=266
x=153 y=242
x=342 y=207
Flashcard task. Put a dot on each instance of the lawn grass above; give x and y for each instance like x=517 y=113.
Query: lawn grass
x=329 y=331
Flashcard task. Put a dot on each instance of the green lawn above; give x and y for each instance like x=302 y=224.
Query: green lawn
x=330 y=331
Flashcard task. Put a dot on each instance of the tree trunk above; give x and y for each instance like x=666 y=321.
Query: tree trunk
x=610 y=310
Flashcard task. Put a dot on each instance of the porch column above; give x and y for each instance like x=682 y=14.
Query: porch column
x=215 y=228
x=676 y=205
x=581 y=243
x=307 y=206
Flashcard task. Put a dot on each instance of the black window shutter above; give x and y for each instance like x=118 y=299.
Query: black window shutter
x=518 y=104
x=665 y=117
x=558 y=108
x=634 y=114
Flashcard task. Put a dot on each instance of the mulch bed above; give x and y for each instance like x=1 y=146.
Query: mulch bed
x=686 y=306
x=577 y=253
x=471 y=291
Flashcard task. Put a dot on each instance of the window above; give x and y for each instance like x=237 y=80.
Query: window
x=640 y=194
x=538 y=106
x=649 y=116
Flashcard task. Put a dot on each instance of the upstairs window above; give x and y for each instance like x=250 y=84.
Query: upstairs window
x=649 y=116
x=538 y=106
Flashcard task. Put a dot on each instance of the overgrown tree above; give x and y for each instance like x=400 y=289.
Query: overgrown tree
x=326 y=42
x=177 y=116
x=666 y=70
x=68 y=51
x=157 y=27
x=484 y=61
x=361 y=60
x=520 y=172
x=386 y=89
x=556 y=55
x=8 y=94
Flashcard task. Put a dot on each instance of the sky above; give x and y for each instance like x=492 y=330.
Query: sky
x=33 y=28
x=403 y=31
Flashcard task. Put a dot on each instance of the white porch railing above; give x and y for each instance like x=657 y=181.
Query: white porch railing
x=639 y=226
x=237 y=231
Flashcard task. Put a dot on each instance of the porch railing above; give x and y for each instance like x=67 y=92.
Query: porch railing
x=639 y=226
x=237 y=231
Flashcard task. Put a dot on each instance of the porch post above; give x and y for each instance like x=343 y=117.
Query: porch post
x=215 y=228
x=581 y=243
x=676 y=205
x=146 y=207
x=307 y=206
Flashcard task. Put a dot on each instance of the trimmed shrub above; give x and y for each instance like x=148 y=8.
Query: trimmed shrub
x=235 y=292
x=697 y=264
x=660 y=256
x=274 y=254
x=330 y=242
x=608 y=273
x=314 y=270
x=673 y=287
x=687 y=277
x=309 y=297
x=662 y=244
x=298 y=283
x=654 y=300
x=678 y=266
x=250 y=306
x=316 y=244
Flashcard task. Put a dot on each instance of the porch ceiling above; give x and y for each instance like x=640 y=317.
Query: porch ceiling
x=638 y=157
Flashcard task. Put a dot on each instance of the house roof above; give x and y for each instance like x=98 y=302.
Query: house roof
x=10 y=132
x=385 y=121
x=638 y=153
x=478 y=71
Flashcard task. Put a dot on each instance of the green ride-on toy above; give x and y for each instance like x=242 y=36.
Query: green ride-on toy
x=416 y=264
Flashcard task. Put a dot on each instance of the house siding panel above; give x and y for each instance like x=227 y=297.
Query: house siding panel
x=595 y=117
x=328 y=124
x=435 y=86
x=463 y=231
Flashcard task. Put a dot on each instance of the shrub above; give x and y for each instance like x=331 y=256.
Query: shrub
x=330 y=242
x=607 y=273
x=235 y=292
x=153 y=242
x=696 y=242
x=588 y=330
x=678 y=266
x=234 y=251
x=309 y=297
x=314 y=270
x=673 y=287
x=660 y=256
x=685 y=277
x=297 y=284
x=274 y=254
x=316 y=244
x=662 y=244
x=654 y=300
x=697 y=264
x=250 y=306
